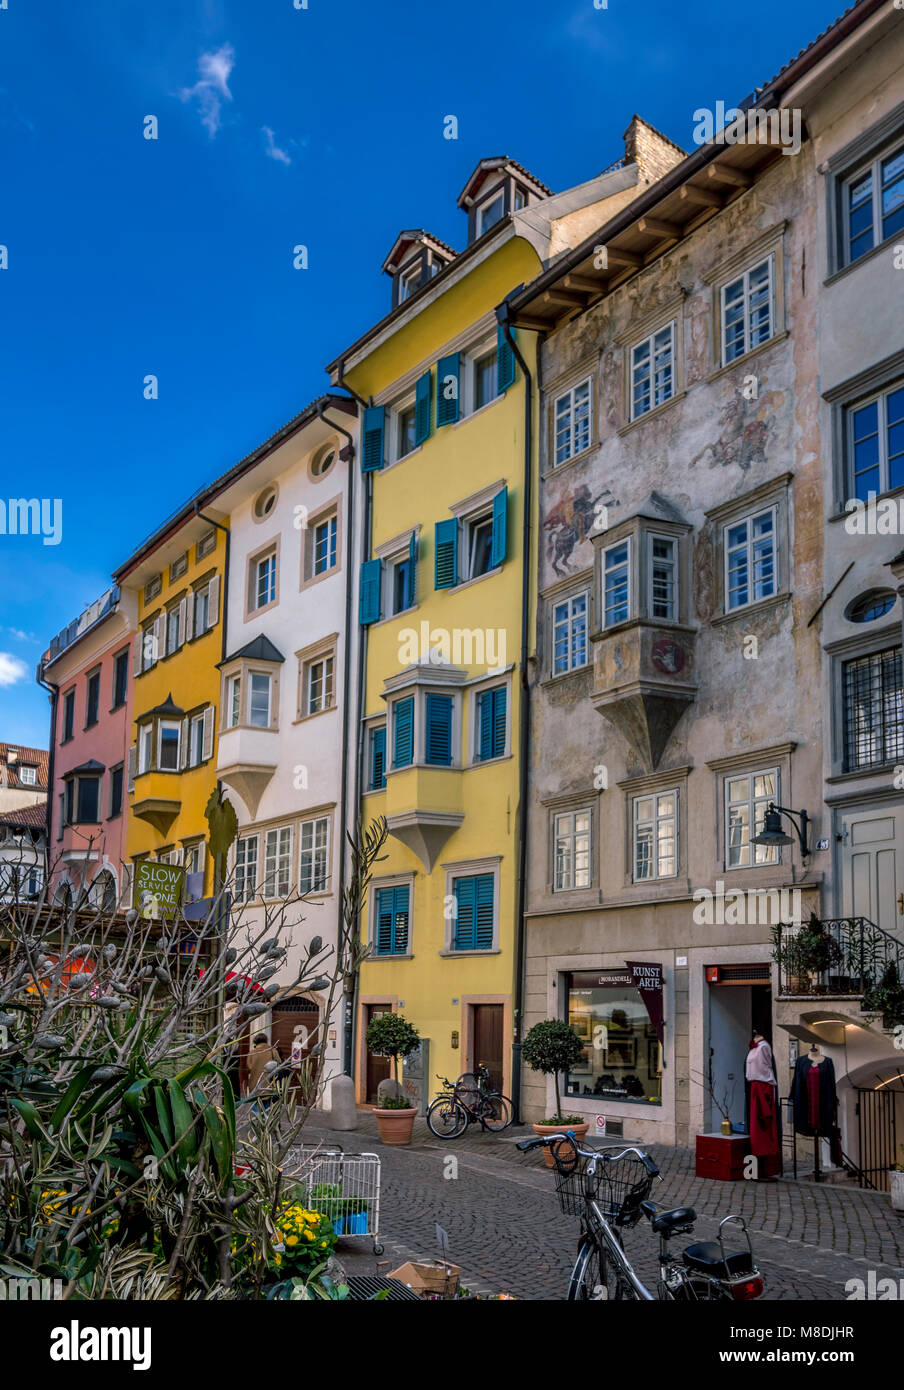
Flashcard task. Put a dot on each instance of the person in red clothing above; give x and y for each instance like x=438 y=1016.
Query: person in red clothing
x=765 y=1139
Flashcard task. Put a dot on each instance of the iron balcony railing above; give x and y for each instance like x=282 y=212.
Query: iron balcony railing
x=842 y=955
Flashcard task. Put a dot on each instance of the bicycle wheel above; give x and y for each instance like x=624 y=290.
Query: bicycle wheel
x=497 y=1112
x=446 y=1118
x=597 y=1278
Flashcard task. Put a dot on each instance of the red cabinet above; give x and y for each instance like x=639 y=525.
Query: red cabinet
x=722 y=1156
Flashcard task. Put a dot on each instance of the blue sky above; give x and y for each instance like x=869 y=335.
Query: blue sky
x=277 y=126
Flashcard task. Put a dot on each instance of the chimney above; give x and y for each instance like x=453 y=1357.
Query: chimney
x=652 y=152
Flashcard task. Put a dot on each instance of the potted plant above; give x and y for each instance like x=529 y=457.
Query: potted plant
x=391 y=1035
x=896 y=1180
x=809 y=953
x=551 y=1047
x=887 y=997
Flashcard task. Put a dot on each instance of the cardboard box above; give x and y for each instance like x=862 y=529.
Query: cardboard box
x=438 y=1277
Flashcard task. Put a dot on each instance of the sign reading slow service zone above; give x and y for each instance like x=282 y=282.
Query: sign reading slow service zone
x=158 y=889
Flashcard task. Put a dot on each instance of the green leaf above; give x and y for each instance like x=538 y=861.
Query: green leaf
x=164 y=1119
x=73 y=1091
x=122 y=1165
x=184 y=1123
x=32 y=1121
x=219 y=1136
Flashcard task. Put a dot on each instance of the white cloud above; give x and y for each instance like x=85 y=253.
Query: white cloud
x=212 y=88
x=273 y=150
x=12 y=670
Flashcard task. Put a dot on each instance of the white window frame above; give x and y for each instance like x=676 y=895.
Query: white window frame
x=399 y=408
x=28 y=776
x=486 y=347
x=650 y=341
x=481 y=211
x=629 y=563
x=169 y=724
x=873 y=167
x=279 y=851
x=323 y=659
x=268 y=677
x=234 y=700
x=269 y=558
x=176 y=613
x=652 y=536
x=880 y=399
x=145 y=747
x=748 y=519
x=313 y=851
x=763 y=856
x=572 y=835
x=657 y=819
x=744 y=278
x=406 y=289
x=195 y=723
x=467 y=530
x=246 y=866
x=330 y=520
x=199 y=596
x=569 y=397
x=570 y=601
x=188 y=852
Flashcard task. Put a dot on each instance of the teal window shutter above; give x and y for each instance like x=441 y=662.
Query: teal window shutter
x=447 y=390
x=403 y=732
x=505 y=363
x=439 y=730
x=374 y=435
x=497 y=542
x=445 y=566
x=474 y=924
x=422 y=403
x=491 y=717
x=412 y=569
x=392 y=921
x=371 y=583
x=378 y=758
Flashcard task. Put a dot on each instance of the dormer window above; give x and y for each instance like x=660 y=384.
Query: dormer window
x=414 y=260
x=491 y=212
x=639 y=566
x=409 y=281
x=498 y=188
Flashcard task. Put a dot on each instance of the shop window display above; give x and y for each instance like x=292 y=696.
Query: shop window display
x=622 y=1051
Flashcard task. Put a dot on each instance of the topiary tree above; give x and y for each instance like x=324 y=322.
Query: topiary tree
x=552 y=1047
x=391 y=1035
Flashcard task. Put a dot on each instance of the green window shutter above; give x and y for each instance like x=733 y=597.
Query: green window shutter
x=374 y=435
x=492 y=723
x=371 y=577
x=378 y=759
x=422 y=403
x=447 y=390
x=445 y=563
x=505 y=362
x=412 y=570
x=497 y=542
x=483 y=925
x=464 y=916
x=400 y=917
x=403 y=732
x=438 y=743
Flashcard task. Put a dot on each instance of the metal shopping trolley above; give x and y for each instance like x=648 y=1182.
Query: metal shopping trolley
x=345 y=1187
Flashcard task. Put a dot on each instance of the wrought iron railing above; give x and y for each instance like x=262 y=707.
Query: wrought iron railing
x=842 y=955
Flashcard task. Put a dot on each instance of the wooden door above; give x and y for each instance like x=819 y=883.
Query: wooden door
x=378 y=1068
x=294 y=1021
x=487 y=1041
x=872 y=866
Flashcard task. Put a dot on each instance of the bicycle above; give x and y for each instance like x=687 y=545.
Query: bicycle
x=610 y=1193
x=465 y=1102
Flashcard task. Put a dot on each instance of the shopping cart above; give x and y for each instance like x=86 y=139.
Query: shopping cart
x=345 y=1187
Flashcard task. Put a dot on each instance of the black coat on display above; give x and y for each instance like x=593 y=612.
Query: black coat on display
x=800 y=1098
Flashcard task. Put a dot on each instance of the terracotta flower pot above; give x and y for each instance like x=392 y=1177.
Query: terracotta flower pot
x=544 y=1131
x=395 y=1126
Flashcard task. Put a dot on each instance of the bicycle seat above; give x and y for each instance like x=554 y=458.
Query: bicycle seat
x=664 y=1222
x=706 y=1256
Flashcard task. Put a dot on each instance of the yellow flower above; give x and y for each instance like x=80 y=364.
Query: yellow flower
x=323 y=1243
x=291 y=1240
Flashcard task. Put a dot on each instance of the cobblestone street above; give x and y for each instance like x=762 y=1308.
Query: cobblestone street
x=508 y=1235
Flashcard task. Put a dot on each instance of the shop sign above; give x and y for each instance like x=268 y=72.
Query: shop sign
x=158 y=889
x=647 y=980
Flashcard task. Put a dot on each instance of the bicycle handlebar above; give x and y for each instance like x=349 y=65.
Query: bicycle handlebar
x=567 y=1136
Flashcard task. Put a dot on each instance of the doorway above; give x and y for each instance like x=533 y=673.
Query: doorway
x=486 y=1044
x=378 y=1068
x=735 y=1011
x=872 y=865
x=294 y=1024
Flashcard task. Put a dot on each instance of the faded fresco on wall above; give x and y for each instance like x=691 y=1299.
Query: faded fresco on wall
x=569 y=523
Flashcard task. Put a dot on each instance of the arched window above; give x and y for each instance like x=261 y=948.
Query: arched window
x=103 y=892
x=875 y=603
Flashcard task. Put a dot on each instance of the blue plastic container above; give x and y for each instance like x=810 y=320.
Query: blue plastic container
x=356 y=1225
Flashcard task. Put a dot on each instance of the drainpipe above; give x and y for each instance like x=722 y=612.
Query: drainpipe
x=503 y=317
x=53 y=691
x=350 y=995
x=346 y=680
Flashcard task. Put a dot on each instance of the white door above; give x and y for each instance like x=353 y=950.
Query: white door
x=872 y=866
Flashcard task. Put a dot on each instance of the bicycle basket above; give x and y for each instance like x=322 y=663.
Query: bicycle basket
x=618 y=1185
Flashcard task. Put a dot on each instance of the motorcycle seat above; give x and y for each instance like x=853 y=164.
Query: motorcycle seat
x=706 y=1257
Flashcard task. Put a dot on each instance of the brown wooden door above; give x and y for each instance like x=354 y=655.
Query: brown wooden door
x=487 y=1047
x=378 y=1068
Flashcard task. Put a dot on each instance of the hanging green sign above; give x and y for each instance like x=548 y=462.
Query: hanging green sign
x=158 y=889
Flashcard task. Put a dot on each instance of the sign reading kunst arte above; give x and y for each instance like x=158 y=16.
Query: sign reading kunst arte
x=647 y=980
x=158 y=889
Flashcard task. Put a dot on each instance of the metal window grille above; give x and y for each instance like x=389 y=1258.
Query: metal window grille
x=873 y=710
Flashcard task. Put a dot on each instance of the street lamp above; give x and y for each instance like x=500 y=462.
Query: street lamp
x=773 y=834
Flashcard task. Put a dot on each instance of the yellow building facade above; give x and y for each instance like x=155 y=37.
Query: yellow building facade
x=178 y=580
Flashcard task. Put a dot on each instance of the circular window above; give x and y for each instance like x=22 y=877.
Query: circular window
x=323 y=461
x=264 y=503
x=869 y=606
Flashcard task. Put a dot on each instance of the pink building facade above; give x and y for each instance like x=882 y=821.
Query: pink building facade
x=88 y=668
